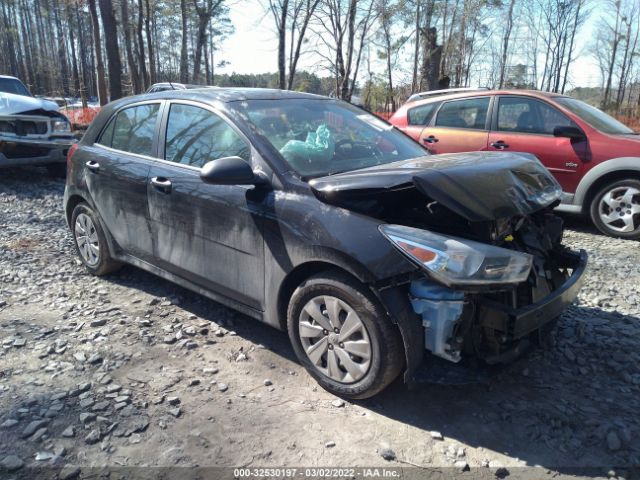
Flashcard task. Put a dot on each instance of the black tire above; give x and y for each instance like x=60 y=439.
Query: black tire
x=57 y=170
x=105 y=264
x=387 y=353
x=616 y=187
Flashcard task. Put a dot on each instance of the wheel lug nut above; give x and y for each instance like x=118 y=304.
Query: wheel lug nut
x=326 y=332
x=341 y=345
x=330 y=347
x=336 y=330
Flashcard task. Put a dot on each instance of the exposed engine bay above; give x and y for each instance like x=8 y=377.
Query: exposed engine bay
x=478 y=202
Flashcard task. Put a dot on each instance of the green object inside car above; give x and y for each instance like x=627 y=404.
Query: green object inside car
x=318 y=148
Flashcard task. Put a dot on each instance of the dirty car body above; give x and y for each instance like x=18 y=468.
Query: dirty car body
x=327 y=222
x=32 y=130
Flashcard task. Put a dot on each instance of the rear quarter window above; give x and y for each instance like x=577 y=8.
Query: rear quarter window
x=132 y=129
x=421 y=114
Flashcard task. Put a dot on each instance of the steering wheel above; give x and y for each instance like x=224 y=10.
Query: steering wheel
x=370 y=147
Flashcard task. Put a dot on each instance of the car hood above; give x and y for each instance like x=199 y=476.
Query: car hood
x=479 y=186
x=11 y=104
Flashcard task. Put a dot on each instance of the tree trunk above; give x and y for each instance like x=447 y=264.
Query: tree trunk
x=416 y=51
x=140 y=49
x=184 y=59
x=505 y=43
x=152 y=59
x=133 y=68
x=114 y=66
x=100 y=75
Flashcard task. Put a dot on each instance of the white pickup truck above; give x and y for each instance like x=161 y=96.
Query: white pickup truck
x=32 y=130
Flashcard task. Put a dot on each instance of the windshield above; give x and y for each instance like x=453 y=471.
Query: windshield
x=12 y=85
x=594 y=117
x=323 y=137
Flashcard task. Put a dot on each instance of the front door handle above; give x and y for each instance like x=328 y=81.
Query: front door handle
x=430 y=139
x=499 y=145
x=93 y=166
x=161 y=184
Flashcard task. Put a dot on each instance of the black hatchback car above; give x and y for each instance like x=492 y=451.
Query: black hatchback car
x=318 y=218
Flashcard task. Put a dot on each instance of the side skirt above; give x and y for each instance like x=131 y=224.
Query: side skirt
x=226 y=301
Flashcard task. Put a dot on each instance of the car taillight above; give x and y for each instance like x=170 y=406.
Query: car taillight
x=70 y=153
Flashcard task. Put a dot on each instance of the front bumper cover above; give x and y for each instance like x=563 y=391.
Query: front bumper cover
x=519 y=322
x=22 y=151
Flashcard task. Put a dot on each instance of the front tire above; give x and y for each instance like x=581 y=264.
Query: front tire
x=615 y=210
x=91 y=242
x=343 y=337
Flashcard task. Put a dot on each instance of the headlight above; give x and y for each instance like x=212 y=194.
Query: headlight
x=60 y=125
x=457 y=261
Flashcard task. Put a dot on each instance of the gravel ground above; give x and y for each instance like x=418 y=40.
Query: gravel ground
x=132 y=371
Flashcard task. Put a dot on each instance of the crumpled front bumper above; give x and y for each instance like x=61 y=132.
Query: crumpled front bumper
x=23 y=151
x=516 y=323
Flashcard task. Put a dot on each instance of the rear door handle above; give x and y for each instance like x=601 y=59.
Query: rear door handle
x=499 y=145
x=161 y=184
x=93 y=166
x=430 y=139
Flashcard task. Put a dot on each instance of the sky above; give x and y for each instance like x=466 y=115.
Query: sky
x=253 y=47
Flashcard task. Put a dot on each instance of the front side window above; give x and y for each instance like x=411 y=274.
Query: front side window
x=421 y=114
x=132 y=130
x=318 y=137
x=196 y=136
x=468 y=113
x=527 y=115
x=14 y=86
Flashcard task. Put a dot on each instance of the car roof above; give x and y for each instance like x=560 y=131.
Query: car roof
x=479 y=93
x=9 y=77
x=224 y=94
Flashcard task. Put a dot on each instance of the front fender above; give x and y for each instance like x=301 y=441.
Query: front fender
x=602 y=169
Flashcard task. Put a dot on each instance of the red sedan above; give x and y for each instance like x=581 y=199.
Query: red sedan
x=595 y=158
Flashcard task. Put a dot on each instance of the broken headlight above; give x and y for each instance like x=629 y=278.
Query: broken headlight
x=60 y=125
x=457 y=261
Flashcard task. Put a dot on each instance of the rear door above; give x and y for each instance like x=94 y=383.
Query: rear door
x=116 y=175
x=458 y=126
x=418 y=118
x=205 y=233
x=526 y=124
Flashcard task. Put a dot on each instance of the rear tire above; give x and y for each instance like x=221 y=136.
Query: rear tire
x=361 y=354
x=615 y=210
x=57 y=170
x=90 y=241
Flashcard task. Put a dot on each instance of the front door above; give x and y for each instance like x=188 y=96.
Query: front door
x=207 y=234
x=116 y=176
x=524 y=124
x=459 y=126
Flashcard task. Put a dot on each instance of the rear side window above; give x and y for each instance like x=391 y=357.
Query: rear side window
x=132 y=130
x=421 y=114
x=469 y=113
x=196 y=136
x=526 y=115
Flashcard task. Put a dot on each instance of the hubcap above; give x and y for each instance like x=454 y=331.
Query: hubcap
x=619 y=209
x=335 y=339
x=87 y=240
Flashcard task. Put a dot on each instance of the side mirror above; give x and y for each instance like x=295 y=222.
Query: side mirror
x=574 y=133
x=229 y=171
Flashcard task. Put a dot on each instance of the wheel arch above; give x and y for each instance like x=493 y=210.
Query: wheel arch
x=606 y=172
x=606 y=179
x=73 y=201
x=301 y=273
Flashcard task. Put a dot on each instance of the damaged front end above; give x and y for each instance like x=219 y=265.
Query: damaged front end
x=32 y=132
x=493 y=272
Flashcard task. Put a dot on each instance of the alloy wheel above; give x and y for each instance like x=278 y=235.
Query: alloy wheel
x=619 y=209
x=87 y=239
x=335 y=339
